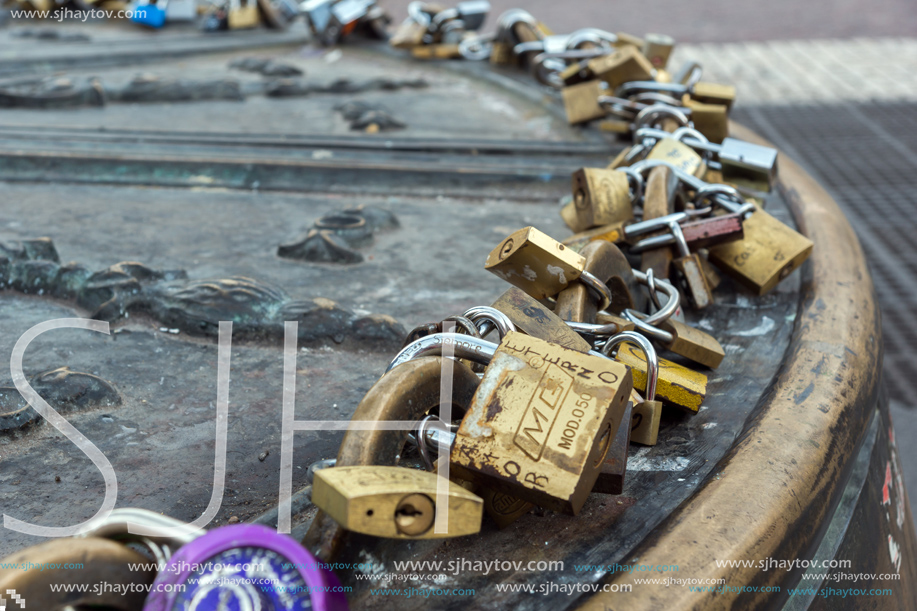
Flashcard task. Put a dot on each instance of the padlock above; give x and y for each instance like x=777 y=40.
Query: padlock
x=769 y=252
x=436 y=51
x=678 y=155
x=533 y=261
x=623 y=39
x=647 y=412
x=408 y=35
x=613 y=232
x=606 y=262
x=625 y=64
x=713 y=93
x=659 y=201
x=682 y=339
x=657 y=48
x=581 y=102
x=678 y=385
x=753 y=165
x=611 y=479
x=568 y=214
x=712 y=120
x=394 y=502
x=693 y=278
x=99 y=560
x=151 y=14
x=541 y=423
x=223 y=568
x=407 y=392
x=243 y=14
x=601 y=197
x=532 y=318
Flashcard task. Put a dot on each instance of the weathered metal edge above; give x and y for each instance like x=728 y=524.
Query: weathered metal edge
x=773 y=493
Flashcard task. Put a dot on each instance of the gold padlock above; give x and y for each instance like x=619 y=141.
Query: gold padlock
x=613 y=232
x=644 y=424
x=657 y=48
x=568 y=214
x=678 y=385
x=243 y=14
x=606 y=262
x=535 y=262
x=769 y=252
x=394 y=502
x=682 y=339
x=712 y=120
x=713 y=93
x=436 y=51
x=581 y=102
x=611 y=479
x=601 y=197
x=408 y=35
x=658 y=201
x=542 y=422
x=624 y=65
x=679 y=155
x=646 y=412
x=534 y=319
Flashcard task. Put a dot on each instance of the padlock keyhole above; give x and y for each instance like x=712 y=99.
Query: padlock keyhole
x=414 y=514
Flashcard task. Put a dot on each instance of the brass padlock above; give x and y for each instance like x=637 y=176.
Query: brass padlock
x=624 y=65
x=408 y=35
x=532 y=318
x=568 y=214
x=613 y=232
x=601 y=197
x=688 y=264
x=679 y=155
x=657 y=48
x=606 y=262
x=535 y=262
x=770 y=252
x=243 y=14
x=678 y=385
x=541 y=422
x=581 y=102
x=644 y=423
x=659 y=201
x=712 y=120
x=611 y=479
x=394 y=502
x=714 y=93
x=682 y=339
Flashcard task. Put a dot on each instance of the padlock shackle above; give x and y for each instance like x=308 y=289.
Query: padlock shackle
x=652 y=361
x=490 y=318
x=665 y=287
x=466 y=347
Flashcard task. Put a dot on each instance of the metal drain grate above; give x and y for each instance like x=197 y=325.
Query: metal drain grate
x=866 y=157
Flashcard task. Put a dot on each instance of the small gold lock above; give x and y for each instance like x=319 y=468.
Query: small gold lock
x=581 y=102
x=770 y=252
x=436 y=51
x=534 y=319
x=601 y=197
x=678 y=385
x=624 y=65
x=541 y=423
x=692 y=343
x=680 y=155
x=538 y=264
x=393 y=502
x=712 y=120
x=408 y=35
x=644 y=425
x=613 y=232
x=657 y=48
x=714 y=93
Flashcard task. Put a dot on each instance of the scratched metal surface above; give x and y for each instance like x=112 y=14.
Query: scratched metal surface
x=160 y=439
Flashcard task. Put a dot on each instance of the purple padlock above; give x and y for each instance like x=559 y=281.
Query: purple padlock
x=245 y=567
